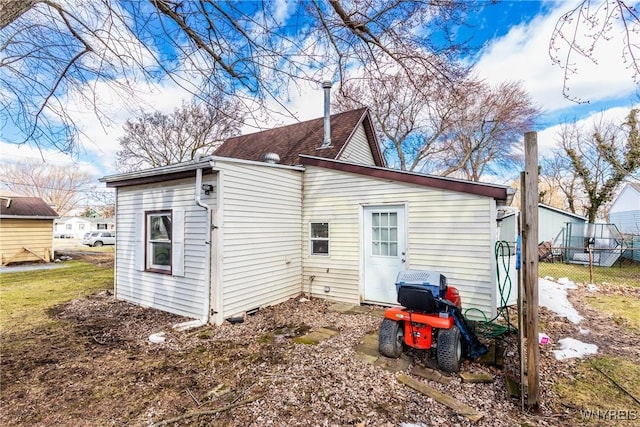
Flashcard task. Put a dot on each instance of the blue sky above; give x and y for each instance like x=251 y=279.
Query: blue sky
x=511 y=41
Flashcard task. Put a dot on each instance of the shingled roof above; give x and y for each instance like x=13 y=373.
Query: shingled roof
x=303 y=138
x=26 y=207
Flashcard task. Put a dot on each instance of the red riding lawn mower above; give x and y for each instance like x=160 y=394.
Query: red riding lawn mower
x=430 y=317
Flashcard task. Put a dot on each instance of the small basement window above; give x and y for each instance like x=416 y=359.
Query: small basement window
x=319 y=238
x=158 y=235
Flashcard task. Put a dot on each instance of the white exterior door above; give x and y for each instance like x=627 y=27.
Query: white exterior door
x=384 y=251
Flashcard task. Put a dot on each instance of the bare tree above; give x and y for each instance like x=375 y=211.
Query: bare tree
x=103 y=201
x=562 y=188
x=589 y=23
x=463 y=130
x=488 y=129
x=601 y=159
x=157 y=139
x=61 y=187
x=255 y=49
x=411 y=121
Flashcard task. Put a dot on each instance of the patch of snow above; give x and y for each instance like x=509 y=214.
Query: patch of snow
x=553 y=295
x=569 y=284
x=570 y=348
x=157 y=338
x=584 y=331
x=592 y=288
x=191 y=324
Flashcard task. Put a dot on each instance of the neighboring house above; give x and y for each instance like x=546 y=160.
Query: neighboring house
x=625 y=214
x=236 y=231
x=26 y=229
x=554 y=223
x=625 y=210
x=77 y=227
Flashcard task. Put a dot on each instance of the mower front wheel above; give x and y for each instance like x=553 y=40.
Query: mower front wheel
x=449 y=351
x=391 y=338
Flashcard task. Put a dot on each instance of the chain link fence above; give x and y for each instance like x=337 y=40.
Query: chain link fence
x=589 y=264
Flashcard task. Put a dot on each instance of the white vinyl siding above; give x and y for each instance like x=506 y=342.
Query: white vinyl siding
x=357 y=149
x=184 y=292
x=625 y=211
x=448 y=232
x=260 y=221
x=627 y=222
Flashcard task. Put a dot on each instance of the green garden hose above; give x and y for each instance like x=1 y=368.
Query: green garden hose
x=489 y=328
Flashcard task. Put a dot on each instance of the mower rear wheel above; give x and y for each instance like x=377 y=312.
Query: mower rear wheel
x=391 y=338
x=449 y=350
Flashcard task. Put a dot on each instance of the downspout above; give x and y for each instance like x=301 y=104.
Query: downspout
x=198 y=200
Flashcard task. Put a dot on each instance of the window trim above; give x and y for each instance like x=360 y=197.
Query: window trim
x=148 y=265
x=323 y=239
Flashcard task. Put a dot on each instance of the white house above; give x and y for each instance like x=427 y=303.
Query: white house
x=76 y=227
x=625 y=210
x=309 y=208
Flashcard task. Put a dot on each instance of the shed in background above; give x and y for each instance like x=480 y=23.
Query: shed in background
x=552 y=224
x=26 y=229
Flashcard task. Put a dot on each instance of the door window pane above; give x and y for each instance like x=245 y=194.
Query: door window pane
x=384 y=233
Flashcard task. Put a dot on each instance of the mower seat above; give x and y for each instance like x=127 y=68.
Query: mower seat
x=417 y=298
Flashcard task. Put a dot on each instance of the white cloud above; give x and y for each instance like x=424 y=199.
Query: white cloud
x=548 y=138
x=523 y=54
x=13 y=153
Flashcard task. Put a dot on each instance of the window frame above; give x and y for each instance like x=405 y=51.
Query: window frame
x=313 y=239
x=148 y=243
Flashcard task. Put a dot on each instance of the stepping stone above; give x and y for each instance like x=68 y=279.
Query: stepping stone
x=367 y=350
x=430 y=374
x=357 y=309
x=393 y=365
x=313 y=338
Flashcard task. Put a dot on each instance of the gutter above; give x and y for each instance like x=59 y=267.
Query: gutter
x=198 y=201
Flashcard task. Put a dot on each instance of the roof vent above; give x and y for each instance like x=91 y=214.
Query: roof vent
x=272 y=158
x=326 y=141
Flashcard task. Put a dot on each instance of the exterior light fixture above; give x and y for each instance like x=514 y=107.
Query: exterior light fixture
x=207 y=188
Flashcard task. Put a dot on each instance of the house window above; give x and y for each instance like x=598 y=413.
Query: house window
x=80 y=226
x=102 y=226
x=69 y=226
x=384 y=233
x=158 y=235
x=319 y=238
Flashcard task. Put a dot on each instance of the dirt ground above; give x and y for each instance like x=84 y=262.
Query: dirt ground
x=98 y=367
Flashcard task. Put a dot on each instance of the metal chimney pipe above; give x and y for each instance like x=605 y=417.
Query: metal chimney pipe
x=326 y=142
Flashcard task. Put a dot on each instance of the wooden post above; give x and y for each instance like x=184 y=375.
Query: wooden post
x=530 y=265
x=522 y=301
x=590 y=249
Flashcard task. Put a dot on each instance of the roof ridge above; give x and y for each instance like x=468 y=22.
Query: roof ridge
x=300 y=123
